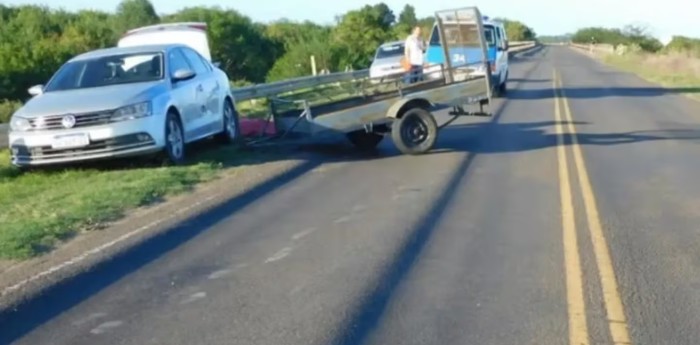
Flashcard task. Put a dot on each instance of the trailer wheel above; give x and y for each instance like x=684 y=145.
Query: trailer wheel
x=365 y=141
x=415 y=132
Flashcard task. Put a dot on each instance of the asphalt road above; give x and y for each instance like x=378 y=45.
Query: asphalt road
x=511 y=232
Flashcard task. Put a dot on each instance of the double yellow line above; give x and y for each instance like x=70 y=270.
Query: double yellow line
x=578 y=328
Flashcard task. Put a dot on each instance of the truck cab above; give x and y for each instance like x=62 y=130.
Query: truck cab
x=497 y=53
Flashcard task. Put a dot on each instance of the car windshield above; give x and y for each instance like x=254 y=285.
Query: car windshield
x=390 y=50
x=108 y=70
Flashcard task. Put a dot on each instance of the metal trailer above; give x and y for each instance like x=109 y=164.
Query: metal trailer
x=393 y=107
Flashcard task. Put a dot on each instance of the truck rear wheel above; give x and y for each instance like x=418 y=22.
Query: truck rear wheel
x=415 y=132
x=365 y=141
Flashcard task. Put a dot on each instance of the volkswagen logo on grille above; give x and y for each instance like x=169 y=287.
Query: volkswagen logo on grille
x=68 y=121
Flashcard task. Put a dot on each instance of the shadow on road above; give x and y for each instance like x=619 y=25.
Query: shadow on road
x=491 y=137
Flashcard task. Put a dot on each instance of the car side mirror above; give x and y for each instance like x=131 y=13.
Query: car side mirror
x=505 y=45
x=183 y=74
x=36 y=90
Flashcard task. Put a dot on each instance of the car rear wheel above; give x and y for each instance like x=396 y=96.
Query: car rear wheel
x=231 y=132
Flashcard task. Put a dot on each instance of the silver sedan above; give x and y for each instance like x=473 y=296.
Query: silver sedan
x=124 y=101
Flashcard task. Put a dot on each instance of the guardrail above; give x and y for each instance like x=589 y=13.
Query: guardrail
x=276 y=88
x=595 y=48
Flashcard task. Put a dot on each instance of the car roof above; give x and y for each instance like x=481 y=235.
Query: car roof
x=125 y=50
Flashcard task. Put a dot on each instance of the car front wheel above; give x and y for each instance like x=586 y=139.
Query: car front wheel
x=174 y=140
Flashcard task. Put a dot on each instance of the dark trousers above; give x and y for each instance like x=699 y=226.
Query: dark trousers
x=415 y=74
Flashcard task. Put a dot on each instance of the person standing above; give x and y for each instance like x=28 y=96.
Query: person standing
x=413 y=53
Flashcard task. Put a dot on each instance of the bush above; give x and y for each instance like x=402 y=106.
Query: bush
x=7 y=108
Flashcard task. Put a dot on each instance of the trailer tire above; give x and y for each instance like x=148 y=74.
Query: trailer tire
x=415 y=132
x=365 y=141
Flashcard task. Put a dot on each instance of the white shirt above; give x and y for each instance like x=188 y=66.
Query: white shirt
x=414 y=47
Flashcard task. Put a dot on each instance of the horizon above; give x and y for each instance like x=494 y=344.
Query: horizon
x=662 y=24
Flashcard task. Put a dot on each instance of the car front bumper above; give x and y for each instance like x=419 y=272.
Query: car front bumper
x=118 y=139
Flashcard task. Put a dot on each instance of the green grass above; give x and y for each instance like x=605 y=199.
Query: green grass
x=672 y=71
x=40 y=209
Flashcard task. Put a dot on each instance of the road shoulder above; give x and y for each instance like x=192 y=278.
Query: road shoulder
x=20 y=281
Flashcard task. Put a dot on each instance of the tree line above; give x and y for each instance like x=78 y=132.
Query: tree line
x=629 y=35
x=36 y=40
x=636 y=36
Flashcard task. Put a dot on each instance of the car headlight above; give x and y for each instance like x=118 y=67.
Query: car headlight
x=20 y=124
x=133 y=111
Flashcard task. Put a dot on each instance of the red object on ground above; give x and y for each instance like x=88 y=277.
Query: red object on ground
x=253 y=127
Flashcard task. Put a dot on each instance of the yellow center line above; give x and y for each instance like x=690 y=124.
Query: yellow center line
x=611 y=296
x=576 y=306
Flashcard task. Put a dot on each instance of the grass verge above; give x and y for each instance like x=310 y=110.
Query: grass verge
x=678 y=71
x=40 y=209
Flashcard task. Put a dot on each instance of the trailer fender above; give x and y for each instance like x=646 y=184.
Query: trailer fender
x=402 y=106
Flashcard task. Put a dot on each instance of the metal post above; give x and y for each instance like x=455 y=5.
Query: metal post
x=441 y=31
x=482 y=39
x=313 y=65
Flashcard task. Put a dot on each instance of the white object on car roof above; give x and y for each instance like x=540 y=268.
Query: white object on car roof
x=192 y=34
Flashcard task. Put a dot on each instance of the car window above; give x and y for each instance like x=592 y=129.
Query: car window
x=490 y=35
x=390 y=50
x=206 y=62
x=195 y=61
x=108 y=70
x=177 y=61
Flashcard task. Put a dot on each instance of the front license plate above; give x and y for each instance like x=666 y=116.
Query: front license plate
x=70 y=141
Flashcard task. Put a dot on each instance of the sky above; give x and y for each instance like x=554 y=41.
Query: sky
x=546 y=17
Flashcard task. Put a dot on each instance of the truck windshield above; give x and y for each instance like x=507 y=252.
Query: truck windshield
x=108 y=70
x=392 y=50
x=452 y=33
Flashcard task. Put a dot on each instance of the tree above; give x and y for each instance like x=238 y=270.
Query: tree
x=407 y=20
x=236 y=42
x=300 y=41
x=408 y=16
x=384 y=14
x=132 y=14
x=682 y=44
x=631 y=35
x=518 y=31
x=360 y=32
x=641 y=36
